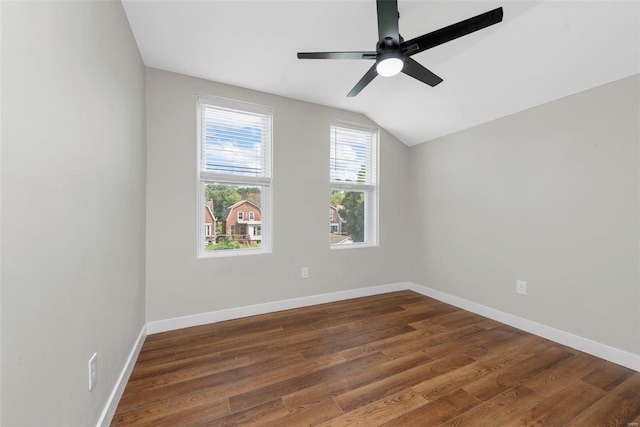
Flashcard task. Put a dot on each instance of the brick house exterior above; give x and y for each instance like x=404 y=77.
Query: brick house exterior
x=209 y=224
x=337 y=223
x=243 y=222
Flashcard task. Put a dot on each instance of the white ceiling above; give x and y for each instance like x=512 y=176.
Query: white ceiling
x=541 y=51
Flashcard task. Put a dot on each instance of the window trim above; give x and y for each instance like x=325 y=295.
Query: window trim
x=208 y=178
x=371 y=191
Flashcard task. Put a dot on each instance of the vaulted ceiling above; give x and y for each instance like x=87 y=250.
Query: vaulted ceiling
x=541 y=51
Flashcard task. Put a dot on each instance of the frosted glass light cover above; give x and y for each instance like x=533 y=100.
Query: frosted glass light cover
x=389 y=67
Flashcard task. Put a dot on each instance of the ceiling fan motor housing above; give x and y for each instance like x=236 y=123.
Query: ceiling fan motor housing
x=389 y=58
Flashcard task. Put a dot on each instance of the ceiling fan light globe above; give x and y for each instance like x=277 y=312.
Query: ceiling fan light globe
x=389 y=66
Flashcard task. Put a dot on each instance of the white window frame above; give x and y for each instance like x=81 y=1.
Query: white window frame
x=264 y=182
x=252 y=216
x=370 y=189
x=240 y=216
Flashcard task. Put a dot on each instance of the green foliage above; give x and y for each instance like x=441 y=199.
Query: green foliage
x=231 y=244
x=223 y=196
x=353 y=214
x=335 y=198
x=252 y=194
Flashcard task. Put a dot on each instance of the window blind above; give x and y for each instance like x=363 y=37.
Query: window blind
x=234 y=142
x=352 y=157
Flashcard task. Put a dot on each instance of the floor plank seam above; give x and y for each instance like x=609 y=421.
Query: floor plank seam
x=337 y=404
x=472 y=370
x=285 y=405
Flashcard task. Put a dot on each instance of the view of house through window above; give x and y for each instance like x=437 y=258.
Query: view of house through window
x=353 y=177
x=235 y=175
x=236 y=217
x=346 y=210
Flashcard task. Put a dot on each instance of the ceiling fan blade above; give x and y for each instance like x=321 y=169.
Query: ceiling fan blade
x=337 y=55
x=452 y=32
x=388 y=20
x=418 y=72
x=365 y=80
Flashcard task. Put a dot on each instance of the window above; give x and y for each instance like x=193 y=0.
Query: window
x=252 y=216
x=234 y=173
x=353 y=179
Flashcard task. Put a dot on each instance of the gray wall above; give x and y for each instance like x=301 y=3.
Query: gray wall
x=178 y=284
x=549 y=195
x=73 y=192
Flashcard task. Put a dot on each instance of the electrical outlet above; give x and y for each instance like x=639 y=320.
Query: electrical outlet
x=521 y=287
x=305 y=273
x=93 y=371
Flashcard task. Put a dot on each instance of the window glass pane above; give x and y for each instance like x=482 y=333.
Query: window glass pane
x=351 y=155
x=353 y=180
x=236 y=217
x=234 y=164
x=347 y=216
x=234 y=142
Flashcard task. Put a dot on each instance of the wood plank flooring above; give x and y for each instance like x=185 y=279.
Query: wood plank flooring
x=397 y=359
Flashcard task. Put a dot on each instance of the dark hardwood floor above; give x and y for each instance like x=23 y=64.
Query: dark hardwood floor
x=393 y=359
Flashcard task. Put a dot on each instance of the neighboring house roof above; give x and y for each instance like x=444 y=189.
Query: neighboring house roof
x=235 y=205
x=337 y=212
x=210 y=212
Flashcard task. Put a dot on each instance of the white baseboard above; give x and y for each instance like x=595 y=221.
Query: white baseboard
x=269 y=307
x=597 y=349
x=118 y=389
x=603 y=351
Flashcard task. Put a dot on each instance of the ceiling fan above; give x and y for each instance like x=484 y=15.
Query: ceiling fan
x=393 y=54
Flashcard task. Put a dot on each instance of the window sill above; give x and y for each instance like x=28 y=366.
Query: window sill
x=353 y=246
x=225 y=253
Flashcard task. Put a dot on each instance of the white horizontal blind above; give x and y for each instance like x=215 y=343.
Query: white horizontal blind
x=353 y=157
x=234 y=142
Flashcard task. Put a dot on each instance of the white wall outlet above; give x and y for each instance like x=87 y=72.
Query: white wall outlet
x=304 y=273
x=521 y=287
x=93 y=371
